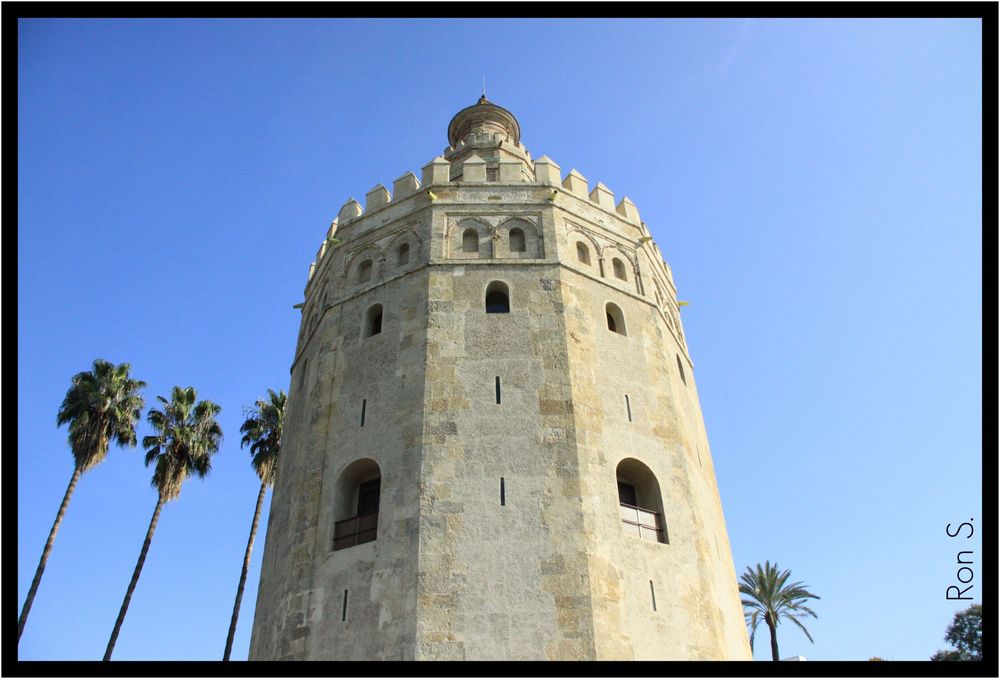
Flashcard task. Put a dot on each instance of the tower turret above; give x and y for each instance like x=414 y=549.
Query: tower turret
x=493 y=447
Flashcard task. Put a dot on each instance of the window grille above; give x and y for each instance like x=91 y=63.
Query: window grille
x=642 y=523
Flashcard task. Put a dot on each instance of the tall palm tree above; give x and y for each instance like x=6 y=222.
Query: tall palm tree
x=102 y=405
x=187 y=436
x=770 y=599
x=262 y=432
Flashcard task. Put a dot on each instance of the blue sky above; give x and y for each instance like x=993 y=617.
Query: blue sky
x=815 y=186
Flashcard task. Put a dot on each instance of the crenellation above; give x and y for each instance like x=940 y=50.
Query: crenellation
x=377 y=198
x=474 y=169
x=603 y=196
x=436 y=172
x=627 y=209
x=510 y=171
x=547 y=172
x=576 y=183
x=351 y=210
x=405 y=185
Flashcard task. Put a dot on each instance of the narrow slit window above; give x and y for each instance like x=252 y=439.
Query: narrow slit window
x=302 y=372
x=497 y=384
x=403 y=254
x=680 y=368
x=652 y=594
x=628 y=408
x=503 y=493
x=343 y=609
x=364 y=404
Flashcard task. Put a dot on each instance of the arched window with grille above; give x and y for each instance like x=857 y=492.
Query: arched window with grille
x=357 y=495
x=640 y=502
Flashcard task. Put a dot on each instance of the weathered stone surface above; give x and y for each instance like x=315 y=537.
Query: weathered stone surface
x=549 y=573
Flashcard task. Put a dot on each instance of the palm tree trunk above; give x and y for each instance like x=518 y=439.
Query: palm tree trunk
x=45 y=552
x=243 y=575
x=135 y=579
x=774 y=639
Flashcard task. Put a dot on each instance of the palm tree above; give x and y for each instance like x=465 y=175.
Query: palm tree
x=187 y=436
x=101 y=406
x=768 y=597
x=262 y=432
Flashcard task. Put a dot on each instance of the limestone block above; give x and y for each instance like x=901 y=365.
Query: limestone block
x=376 y=198
x=603 y=196
x=474 y=170
x=626 y=208
x=510 y=171
x=349 y=211
x=321 y=251
x=332 y=230
x=405 y=185
x=546 y=171
x=436 y=171
x=576 y=183
x=312 y=269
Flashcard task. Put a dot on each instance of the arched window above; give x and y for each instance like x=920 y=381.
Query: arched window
x=619 y=268
x=497 y=298
x=356 y=504
x=403 y=254
x=373 y=320
x=641 y=505
x=516 y=240
x=365 y=271
x=616 y=319
x=583 y=253
x=470 y=241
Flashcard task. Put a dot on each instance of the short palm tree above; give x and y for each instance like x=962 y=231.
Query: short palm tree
x=186 y=437
x=102 y=405
x=262 y=432
x=768 y=597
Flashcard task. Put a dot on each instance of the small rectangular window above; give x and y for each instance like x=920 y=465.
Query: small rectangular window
x=498 y=388
x=503 y=495
x=343 y=610
x=628 y=408
x=364 y=403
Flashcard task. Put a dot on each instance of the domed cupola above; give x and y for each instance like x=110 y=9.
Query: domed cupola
x=487 y=133
x=484 y=119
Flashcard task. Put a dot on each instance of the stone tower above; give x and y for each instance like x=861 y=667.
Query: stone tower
x=493 y=446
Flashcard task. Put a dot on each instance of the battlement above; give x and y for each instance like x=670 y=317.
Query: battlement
x=473 y=169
